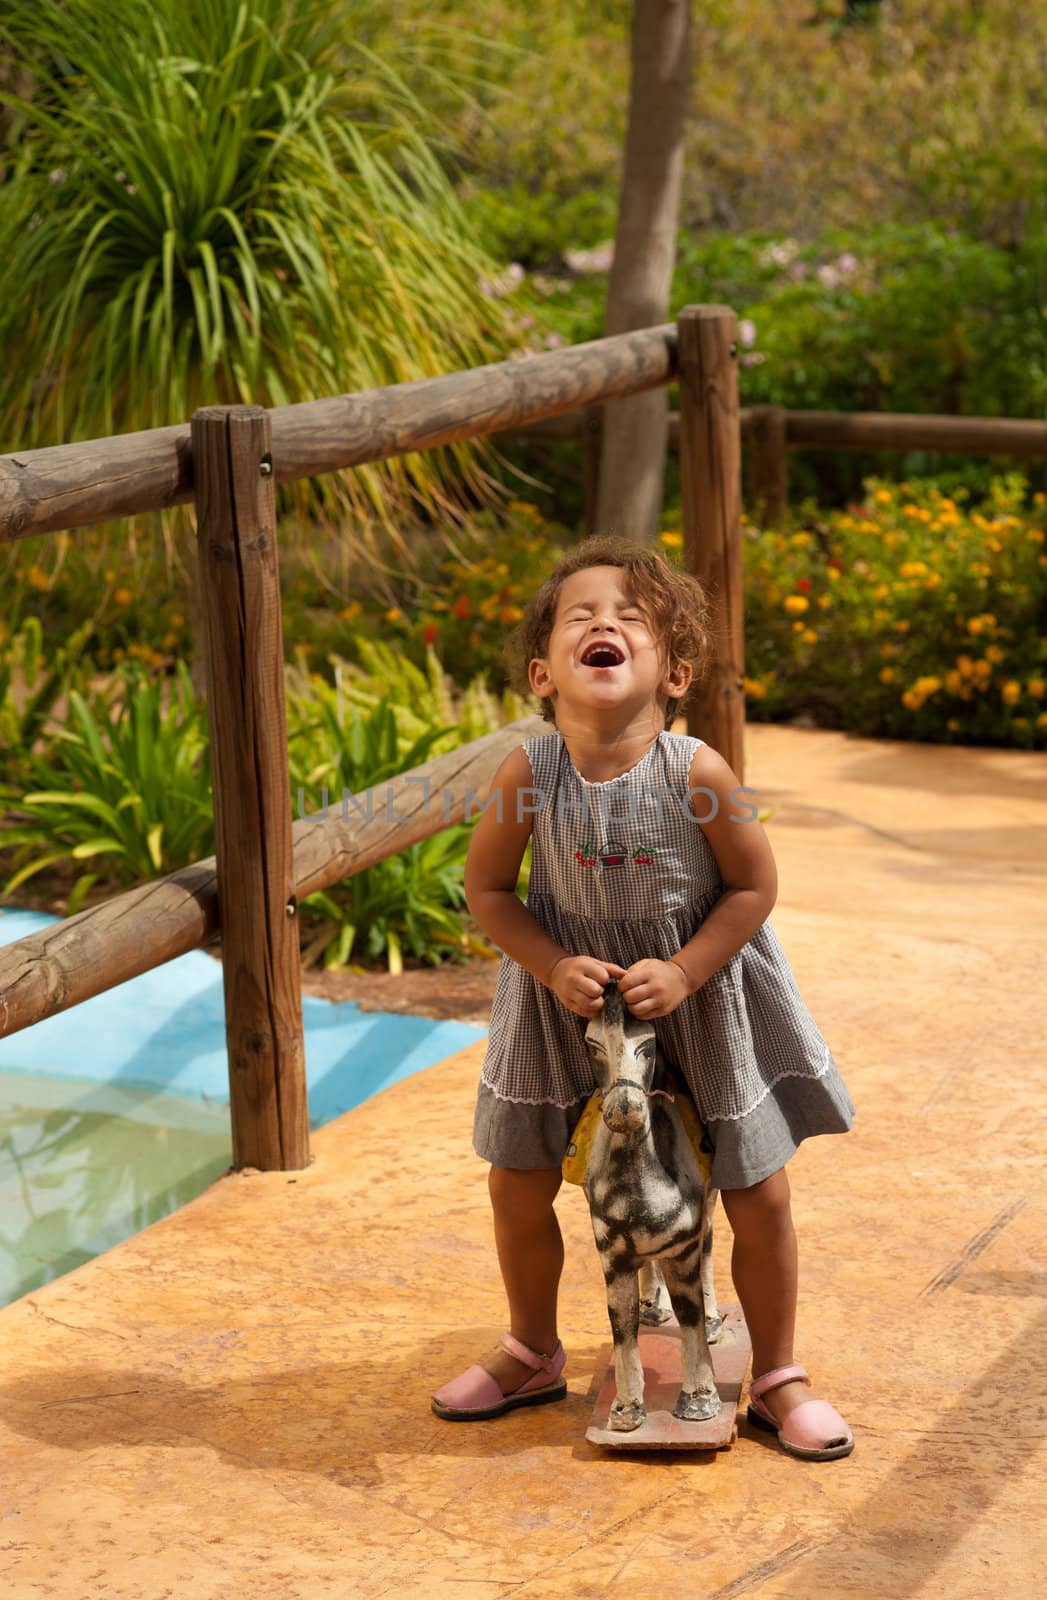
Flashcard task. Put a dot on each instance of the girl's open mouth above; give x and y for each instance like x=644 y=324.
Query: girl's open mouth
x=602 y=655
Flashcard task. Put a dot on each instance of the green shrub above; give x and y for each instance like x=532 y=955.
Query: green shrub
x=126 y=787
x=352 y=736
x=906 y=617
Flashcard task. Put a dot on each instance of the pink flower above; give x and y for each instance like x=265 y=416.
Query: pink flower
x=747 y=331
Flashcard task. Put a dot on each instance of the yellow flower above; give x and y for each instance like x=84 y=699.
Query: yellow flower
x=511 y=614
x=912 y=569
x=910 y=511
x=38 y=578
x=123 y=597
x=952 y=725
x=394 y=614
x=796 y=602
x=982 y=669
x=798 y=627
x=1011 y=692
x=671 y=541
x=1036 y=687
x=1035 y=535
x=1041 y=720
x=994 y=654
x=809 y=636
x=965 y=664
x=927 y=686
x=1020 y=722
x=351 y=611
x=888 y=674
x=883 y=497
x=869 y=527
x=953 y=682
x=881 y=591
x=833 y=574
x=825 y=600
x=109 y=575
x=911 y=700
x=879 y=615
x=901 y=626
x=974 y=625
x=754 y=688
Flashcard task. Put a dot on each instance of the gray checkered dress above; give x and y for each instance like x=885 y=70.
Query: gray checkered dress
x=622 y=870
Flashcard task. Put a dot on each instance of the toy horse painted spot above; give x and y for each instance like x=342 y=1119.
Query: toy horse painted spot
x=640 y=1156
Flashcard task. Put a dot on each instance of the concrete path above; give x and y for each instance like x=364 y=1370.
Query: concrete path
x=236 y=1400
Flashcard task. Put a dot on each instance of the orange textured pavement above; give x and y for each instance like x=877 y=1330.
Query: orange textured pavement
x=237 y=1400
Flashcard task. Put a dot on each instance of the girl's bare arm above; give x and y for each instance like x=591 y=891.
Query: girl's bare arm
x=492 y=868
x=746 y=861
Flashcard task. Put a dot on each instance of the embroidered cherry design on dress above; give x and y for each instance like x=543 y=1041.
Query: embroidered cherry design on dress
x=643 y=854
x=586 y=855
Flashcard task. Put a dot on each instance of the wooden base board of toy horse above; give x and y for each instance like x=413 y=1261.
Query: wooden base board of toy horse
x=660 y=1354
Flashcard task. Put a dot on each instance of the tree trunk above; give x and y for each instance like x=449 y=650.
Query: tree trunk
x=635 y=431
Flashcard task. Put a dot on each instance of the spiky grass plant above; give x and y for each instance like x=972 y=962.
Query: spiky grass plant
x=223 y=201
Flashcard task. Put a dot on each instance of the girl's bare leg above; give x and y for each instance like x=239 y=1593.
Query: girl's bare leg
x=764 y=1269
x=530 y=1253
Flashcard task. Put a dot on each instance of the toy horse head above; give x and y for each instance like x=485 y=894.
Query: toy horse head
x=625 y=1053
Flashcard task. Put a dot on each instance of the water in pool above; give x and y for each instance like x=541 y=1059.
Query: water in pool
x=84 y=1166
x=115 y=1112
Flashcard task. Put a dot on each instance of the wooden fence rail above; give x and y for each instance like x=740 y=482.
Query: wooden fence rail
x=134 y=932
x=769 y=431
x=73 y=485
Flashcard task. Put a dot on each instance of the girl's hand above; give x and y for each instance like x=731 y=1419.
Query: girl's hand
x=579 y=982
x=653 y=988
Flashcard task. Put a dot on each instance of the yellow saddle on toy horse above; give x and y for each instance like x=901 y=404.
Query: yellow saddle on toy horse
x=576 y=1161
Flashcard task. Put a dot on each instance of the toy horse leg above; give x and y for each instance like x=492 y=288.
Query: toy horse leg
x=623 y=1310
x=699 y=1397
x=654 y=1296
x=713 y=1319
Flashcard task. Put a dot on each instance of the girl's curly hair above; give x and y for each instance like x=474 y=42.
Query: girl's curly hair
x=679 y=608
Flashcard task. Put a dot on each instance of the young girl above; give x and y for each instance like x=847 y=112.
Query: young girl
x=648 y=866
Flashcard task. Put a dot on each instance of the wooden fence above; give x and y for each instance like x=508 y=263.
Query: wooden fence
x=769 y=432
x=228 y=461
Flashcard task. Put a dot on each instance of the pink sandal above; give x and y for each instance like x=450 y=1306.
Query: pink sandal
x=813 y=1430
x=475 y=1395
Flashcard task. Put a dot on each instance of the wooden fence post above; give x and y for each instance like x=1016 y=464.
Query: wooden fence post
x=768 y=464
x=710 y=485
x=240 y=583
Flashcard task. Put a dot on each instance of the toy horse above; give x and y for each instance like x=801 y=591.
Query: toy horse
x=651 y=1206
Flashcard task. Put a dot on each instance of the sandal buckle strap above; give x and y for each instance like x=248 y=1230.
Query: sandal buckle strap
x=775 y=1378
x=529 y=1357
